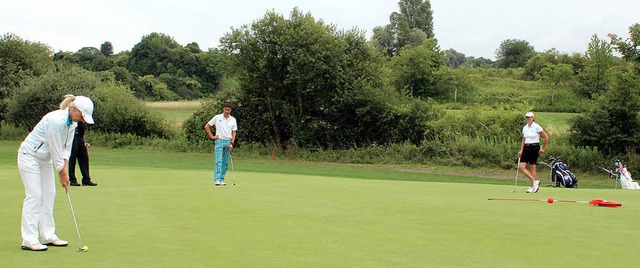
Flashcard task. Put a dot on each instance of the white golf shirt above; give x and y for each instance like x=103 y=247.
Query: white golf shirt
x=51 y=138
x=224 y=126
x=531 y=133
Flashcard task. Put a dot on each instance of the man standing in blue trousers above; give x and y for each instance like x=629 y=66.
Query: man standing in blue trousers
x=226 y=128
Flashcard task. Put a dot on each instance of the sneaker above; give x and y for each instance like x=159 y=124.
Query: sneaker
x=223 y=184
x=89 y=183
x=34 y=247
x=217 y=183
x=57 y=243
x=530 y=189
x=536 y=186
x=74 y=184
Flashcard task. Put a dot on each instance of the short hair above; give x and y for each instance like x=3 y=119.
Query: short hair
x=227 y=105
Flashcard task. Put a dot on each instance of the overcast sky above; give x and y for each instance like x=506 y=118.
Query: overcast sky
x=473 y=27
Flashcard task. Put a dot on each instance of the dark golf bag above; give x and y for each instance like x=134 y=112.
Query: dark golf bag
x=561 y=175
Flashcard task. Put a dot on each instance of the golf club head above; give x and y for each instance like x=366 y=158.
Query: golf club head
x=82 y=250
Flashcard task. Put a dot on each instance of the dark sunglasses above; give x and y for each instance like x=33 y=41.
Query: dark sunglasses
x=529 y=116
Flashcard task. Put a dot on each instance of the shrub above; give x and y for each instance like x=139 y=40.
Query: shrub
x=40 y=95
x=118 y=111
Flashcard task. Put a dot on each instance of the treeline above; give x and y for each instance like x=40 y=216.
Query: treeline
x=296 y=82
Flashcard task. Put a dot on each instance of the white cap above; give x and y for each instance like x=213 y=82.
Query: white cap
x=85 y=105
x=529 y=114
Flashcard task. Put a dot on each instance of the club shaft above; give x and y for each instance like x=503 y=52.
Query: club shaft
x=233 y=170
x=73 y=213
x=515 y=184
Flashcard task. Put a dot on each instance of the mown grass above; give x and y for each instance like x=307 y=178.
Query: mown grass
x=160 y=210
x=175 y=112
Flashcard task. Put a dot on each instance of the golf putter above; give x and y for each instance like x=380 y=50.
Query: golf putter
x=73 y=213
x=516 y=183
x=233 y=170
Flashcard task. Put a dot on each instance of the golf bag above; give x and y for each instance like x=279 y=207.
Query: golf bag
x=561 y=175
x=626 y=182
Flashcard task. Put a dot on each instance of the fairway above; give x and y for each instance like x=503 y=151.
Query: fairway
x=160 y=210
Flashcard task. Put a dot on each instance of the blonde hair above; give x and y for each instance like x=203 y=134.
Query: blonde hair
x=67 y=102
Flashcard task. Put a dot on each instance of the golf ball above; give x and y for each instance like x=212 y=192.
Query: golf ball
x=550 y=200
x=85 y=248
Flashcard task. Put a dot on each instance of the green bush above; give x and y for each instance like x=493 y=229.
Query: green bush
x=11 y=132
x=118 y=111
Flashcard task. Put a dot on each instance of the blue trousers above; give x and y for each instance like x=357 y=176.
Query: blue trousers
x=221 y=156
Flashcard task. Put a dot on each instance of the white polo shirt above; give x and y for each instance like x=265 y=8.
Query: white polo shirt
x=224 y=126
x=531 y=133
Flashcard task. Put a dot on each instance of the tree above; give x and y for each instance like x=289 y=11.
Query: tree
x=539 y=61
x=22 y=58
x=416 y=70
x=303 y=81
x=612 y=124
x=193 y=47
x=478 y=62
x=106 y=49
x=556 y=75
x=629 y=48
x=151 y=54
x=599 y=60
x=453 y=58
x=89 y=58
x=19 y=60
x=514 y=53
x=410 y=27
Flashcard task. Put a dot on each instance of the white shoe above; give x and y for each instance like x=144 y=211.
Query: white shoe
x=536 y=186
x=33 y=247
x=57 y=243
x=530 y=189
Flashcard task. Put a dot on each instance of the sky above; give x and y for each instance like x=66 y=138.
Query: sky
x=473 y=27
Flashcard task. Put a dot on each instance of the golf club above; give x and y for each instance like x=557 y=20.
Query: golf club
x=516 y=183
x=233 y=170
x=73 y=213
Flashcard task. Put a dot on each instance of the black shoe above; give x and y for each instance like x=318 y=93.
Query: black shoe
x=74 y=184
x=90 y=183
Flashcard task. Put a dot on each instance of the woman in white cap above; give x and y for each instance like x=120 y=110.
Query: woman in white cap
x=48 y=146
x=530 y=150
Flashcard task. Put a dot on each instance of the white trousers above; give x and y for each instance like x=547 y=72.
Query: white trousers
x=40 y=191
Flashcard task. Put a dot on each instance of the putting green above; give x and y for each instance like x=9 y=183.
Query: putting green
x=168 y=214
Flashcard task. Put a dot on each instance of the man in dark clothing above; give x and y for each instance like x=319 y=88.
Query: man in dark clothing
x=79 y=151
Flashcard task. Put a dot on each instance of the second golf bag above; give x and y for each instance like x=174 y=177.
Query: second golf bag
x=561 y=175
x=626 y=182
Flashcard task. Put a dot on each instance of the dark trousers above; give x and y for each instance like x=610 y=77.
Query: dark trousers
x=79 y=152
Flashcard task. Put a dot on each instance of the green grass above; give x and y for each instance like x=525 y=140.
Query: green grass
x=554 y=123
x=158 y=209
x=175 y=112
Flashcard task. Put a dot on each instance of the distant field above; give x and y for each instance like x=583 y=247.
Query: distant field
x=175 y=111
x=554 y=122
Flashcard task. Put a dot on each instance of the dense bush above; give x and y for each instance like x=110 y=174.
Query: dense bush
x=116 y=109
x=613 y=123
x=40 y=95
